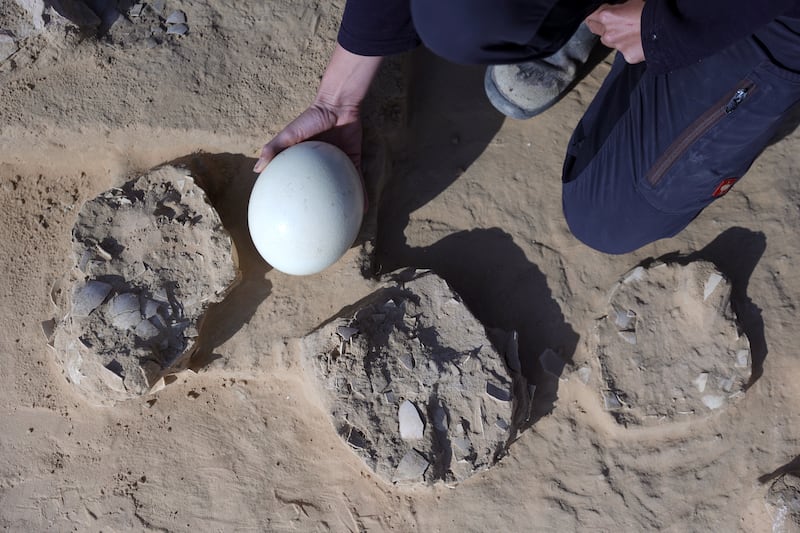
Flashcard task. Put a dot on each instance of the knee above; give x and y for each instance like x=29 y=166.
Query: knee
x=606 y=227
x=595 y=236
x=477 y=31
x=450 y=28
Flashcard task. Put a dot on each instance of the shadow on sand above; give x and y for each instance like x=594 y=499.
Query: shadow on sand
x=228 y=179
x=736 y=252
x=451 y=123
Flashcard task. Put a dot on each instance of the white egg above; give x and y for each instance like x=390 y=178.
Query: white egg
x=306 y=208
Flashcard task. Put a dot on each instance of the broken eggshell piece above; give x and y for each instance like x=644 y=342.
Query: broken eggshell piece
x=411 y=425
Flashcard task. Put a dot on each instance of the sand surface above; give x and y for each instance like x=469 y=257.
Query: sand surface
x=242 y=443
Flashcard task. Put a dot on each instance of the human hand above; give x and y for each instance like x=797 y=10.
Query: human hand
x=620 y=27
x=338 y=125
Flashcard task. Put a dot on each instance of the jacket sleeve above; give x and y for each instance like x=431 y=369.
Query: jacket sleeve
x=377 y=27
x=677 y=33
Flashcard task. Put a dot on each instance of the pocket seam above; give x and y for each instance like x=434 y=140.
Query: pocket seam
x=692 y=133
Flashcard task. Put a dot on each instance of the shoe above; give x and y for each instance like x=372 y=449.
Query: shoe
x=524 y=90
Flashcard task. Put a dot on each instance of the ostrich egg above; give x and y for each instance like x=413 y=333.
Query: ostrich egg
x=306 y=208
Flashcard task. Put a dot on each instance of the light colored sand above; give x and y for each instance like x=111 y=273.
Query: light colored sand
x=474 y=197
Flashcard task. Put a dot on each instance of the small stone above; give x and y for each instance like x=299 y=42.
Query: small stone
x=390 y=397
x=411 y=468
x=411 y=425
x=501 y=424
x=713 y=401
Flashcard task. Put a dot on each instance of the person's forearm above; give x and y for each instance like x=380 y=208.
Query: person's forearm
x=347 y=78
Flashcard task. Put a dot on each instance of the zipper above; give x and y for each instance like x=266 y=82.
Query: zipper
x=721 y=109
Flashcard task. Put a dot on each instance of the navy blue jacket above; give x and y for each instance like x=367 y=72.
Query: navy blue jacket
x=675 y=33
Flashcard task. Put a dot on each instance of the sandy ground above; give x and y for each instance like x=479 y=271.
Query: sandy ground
x=242 y=444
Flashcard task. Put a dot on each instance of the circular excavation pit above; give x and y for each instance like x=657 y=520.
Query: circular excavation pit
x=668 y=347
x=149 y=258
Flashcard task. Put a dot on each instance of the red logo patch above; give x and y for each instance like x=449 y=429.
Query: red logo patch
x=724 y=186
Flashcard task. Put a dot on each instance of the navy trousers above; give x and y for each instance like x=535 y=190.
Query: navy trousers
x=652 y=151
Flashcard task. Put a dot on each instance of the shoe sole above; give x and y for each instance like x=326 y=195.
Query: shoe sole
x=507 y=107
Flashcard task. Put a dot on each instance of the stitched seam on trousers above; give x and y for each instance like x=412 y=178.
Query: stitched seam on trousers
x=696 y=129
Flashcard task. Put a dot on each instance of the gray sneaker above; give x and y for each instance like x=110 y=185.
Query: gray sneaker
x=523 y=90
